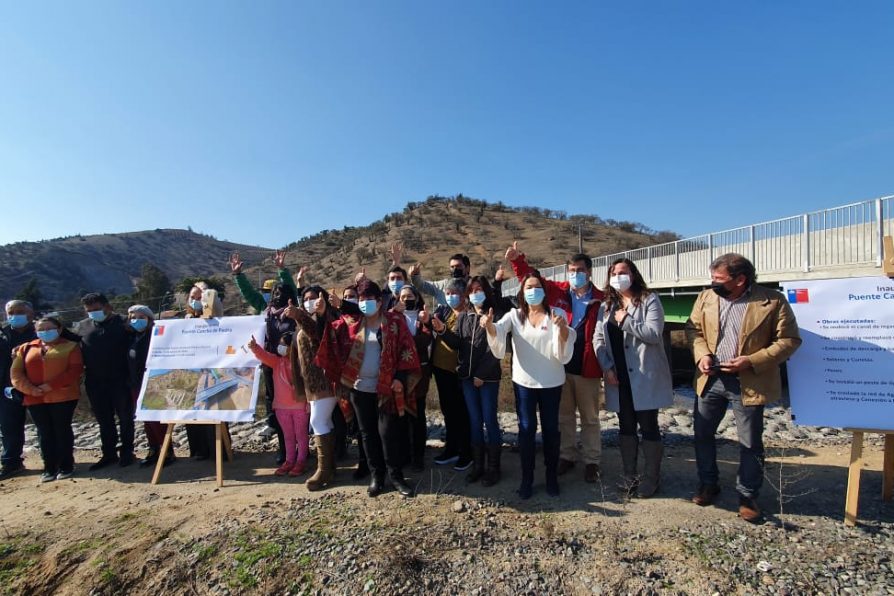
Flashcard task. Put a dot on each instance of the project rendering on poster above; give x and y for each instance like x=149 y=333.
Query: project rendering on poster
x=843 y=374
x=202 y=369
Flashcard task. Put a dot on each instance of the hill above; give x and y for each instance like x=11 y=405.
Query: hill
x=66 y=268
x=430 y=231
x=438 y=227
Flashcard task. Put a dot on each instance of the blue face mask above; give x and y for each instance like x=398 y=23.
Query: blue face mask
x=266 y=296
x=395 y=285
x=139 y=325
x=196 y=305
x=369 y=307
x=17 y=321
x=453 y=300
x=48 y=336
x=534 y=296
x=577 y=279
x=477 y=298
x=97 y=315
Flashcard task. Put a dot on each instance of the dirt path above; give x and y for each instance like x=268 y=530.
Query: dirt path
x=112 y=530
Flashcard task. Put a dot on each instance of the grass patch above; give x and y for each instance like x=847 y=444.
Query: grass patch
x=16 y=557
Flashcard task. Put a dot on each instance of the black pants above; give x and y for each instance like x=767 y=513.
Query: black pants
x=272 y=422
x=200 y=438
x=56 y=437
x=629 y=418
x=418 y=427
x=110 y=398
x=456 y=416
x=12 y=428
x=340 y=428
x=381 y=434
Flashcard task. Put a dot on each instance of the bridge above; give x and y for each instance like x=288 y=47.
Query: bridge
x=845 y=241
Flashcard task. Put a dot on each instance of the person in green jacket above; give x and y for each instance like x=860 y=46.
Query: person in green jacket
x=281 y=295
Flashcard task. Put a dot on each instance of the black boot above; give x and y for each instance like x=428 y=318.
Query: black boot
x=526 y=451
x=377 y=485
x=492 y=475
x=400 y=484
x=478 y=458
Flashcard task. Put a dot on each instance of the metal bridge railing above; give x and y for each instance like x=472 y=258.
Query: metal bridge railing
x=847 y=240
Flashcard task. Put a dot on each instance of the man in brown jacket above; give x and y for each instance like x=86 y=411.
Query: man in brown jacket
x=740 y=334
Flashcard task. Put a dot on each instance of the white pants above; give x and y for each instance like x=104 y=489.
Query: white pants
x=321 y=414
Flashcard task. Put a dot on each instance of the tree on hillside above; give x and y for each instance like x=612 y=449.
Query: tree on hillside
x=31 y=293
x=152 y=288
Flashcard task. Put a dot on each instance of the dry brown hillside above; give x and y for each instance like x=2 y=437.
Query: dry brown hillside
x=438 y=227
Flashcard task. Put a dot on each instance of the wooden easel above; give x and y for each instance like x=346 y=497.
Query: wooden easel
x=221 y=444
x=856 y=466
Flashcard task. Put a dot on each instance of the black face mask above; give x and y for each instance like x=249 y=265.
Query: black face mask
x=720 y=289
x=410 y=305
x=458 y=273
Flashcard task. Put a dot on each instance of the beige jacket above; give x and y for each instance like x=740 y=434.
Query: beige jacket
x=769 y=336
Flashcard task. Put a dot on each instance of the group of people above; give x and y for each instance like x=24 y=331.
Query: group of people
x=365 y=356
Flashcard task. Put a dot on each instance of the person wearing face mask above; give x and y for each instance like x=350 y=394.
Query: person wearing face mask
x=397 y=279
x=480 y=374
x=630 y=347
x=47 y=371
x=312 y=320
x=458 y=444
x=18 y=330
x=276 y=322
x=267 y=289
x=419 y=324
x=460 y=269
x=582 y=392
x=105 y=341
x=289 y=404
x=141 y=320
x=202 y=302
x=542 y=344
x=375 y=359
x=740 y=334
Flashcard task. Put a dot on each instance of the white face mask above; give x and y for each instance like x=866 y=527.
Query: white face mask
x=282 y=350
x=310 y=305
x=620 y=282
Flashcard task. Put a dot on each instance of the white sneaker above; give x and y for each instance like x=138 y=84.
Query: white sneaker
x=64 y=475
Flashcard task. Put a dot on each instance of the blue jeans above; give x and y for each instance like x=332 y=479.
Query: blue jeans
x=709 y=411
x=481 y=402
x=527 y=400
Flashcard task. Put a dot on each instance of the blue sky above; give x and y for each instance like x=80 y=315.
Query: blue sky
x=262 y=122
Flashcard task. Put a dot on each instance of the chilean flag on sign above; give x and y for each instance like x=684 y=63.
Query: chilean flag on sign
x=159 y=330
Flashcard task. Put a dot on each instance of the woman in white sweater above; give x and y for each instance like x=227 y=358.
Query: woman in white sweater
x=542 y=343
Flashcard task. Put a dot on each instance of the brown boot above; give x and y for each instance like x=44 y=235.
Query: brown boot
x=629 y=447
x=492 y=475
x=325 y=463
x=651 y=478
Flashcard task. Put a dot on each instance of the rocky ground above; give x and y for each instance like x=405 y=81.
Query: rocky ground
x=112 y=532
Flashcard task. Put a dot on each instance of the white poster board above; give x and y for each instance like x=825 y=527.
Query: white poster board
x=202 y=369
x=843 y=374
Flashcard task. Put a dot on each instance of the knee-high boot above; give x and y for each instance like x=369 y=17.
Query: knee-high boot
x=652 y=453
x=629 y=446
x=325 y=462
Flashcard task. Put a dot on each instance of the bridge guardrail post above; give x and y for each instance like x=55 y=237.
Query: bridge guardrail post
x=880 y=230
x=805 y=244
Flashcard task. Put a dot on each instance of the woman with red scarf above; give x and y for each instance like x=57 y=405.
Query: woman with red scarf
x=375 y=358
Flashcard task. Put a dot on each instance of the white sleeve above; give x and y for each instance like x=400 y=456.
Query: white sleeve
x=562 y=352
x=497 y=343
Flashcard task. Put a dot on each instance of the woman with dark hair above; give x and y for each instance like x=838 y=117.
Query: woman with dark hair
x=312 y=319
x=480 y=373
x=47 y=371
x=542 y=343
x=375 y=358
x=412 y=306
x=629 y=344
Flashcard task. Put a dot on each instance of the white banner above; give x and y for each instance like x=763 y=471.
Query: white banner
x=202 y=369
x=843 y=374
